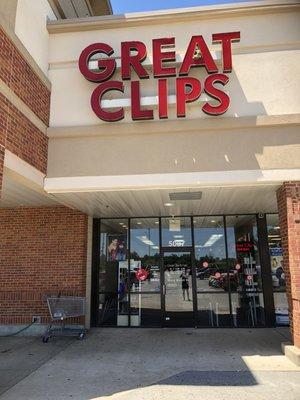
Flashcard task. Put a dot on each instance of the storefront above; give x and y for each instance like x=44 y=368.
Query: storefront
x=150 y=163
x=199 y=271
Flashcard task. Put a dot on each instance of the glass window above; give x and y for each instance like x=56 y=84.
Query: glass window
x=178 y=289
x=176 y=232
x=145 y=309
x=213 y=309
x=113 y=309
x=144 y=255
x=210 y=254
x=277 y=268
x=211 y=272
x=113 y=272
x=244 y=271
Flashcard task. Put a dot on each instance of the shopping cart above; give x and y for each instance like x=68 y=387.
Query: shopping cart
x=61 y=308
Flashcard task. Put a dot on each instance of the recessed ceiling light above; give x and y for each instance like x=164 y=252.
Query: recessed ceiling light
x=212 y=221
x=139 y=223
x=169 y=204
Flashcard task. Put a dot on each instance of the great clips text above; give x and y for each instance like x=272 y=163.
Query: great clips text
x=188 y=89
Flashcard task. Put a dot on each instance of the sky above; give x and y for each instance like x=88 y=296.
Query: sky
x=126 y=6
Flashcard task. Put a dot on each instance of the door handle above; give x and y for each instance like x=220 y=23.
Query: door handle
x=164 y=289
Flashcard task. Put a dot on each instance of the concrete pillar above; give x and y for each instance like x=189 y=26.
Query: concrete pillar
x=288 y=199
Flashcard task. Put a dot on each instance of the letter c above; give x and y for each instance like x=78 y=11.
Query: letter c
x=109 y=116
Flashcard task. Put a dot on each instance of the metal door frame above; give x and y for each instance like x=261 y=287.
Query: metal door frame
x=263 y=252
x=170 y=250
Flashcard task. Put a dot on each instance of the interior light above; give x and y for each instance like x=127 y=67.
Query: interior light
x=139 y=223
x=145 y=240
x=169 y=204
x=213 y=239
x=157 y=222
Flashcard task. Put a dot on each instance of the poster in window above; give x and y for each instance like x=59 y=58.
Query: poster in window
x=278 y=276
x=116 y=248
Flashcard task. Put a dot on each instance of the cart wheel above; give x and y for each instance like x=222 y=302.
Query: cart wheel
x=45 y=339
x=81 y=336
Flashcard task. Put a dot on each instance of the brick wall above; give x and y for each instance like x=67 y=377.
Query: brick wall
x=17 y=133
x=1 y=165
x=3 y=126
x=20 y=77
x=288 y=198
x=42 y=251
x=21 y=137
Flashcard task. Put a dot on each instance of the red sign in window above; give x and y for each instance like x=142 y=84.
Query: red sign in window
x=244 y=247
x=141 y=274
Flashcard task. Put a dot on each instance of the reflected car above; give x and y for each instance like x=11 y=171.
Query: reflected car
x=203 y=273
x=222 y=281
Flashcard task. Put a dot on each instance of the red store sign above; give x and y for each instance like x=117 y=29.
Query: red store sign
x=141 y=274
x=188 y=89
x=244 y=247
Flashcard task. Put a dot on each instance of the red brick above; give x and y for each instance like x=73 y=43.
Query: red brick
x=42 y=251
x=21 y=78
x=288 y=198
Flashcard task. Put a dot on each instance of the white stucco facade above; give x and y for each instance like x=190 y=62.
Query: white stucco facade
x=258 y=133
x=31 y=29
x=264 y=73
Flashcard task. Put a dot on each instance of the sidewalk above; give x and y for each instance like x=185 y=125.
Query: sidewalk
x=148 y=364
x=21 y=355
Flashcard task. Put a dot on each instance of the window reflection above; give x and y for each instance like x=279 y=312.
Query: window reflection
x=135 y=277
x=144 y=255
x=113 y=272
x=211 y=272
x=178 y=289
x=145 y=309
x=210 y=254
x=277 y=268
x=176 y=232
x=213 y=309
x=113 y=309
x=245 y=271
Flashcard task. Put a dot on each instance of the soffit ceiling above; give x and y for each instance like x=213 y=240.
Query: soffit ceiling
x=138 y=203
x=81 y=8
x=16 y=194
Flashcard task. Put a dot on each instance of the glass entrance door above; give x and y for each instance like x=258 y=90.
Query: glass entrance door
x=178 y=300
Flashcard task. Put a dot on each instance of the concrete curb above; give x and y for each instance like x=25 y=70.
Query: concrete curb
x=291 y=352
x=33 y=330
